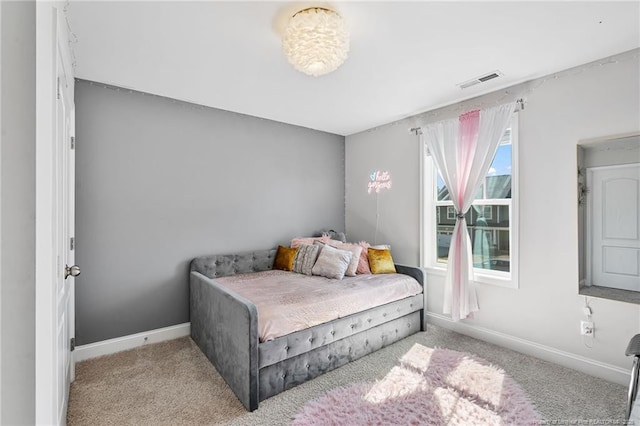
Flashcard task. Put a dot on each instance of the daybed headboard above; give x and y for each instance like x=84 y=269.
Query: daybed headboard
x=223 y=265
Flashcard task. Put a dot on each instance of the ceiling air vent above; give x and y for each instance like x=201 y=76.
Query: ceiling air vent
x=481 y=79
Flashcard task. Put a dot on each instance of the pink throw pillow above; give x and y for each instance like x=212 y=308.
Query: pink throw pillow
x=363 y=262
x=308 y=240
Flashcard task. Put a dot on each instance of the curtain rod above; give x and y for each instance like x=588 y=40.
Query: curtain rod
x=519 y=107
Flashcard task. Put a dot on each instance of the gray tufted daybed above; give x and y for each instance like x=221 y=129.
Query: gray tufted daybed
x=225 y=327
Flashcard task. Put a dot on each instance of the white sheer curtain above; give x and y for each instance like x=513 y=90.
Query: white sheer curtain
x=463 y=149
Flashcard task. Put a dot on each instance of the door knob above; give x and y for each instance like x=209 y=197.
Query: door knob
x=74 y=271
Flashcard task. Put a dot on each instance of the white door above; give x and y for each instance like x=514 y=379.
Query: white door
x=55 y=200
x=64 y=181
x=615 y=226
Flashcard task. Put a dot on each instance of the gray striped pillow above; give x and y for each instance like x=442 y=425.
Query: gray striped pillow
x=306 y=258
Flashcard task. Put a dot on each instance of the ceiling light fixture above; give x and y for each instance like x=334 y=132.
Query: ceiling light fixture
x=316 y=41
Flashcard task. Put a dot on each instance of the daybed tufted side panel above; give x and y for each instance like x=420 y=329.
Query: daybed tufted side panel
x=420 y=276
x=230 y=264
x=412 y=271
x=299 y=369
x=225 y=327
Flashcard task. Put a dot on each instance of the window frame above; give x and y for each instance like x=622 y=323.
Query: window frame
x=429 y=204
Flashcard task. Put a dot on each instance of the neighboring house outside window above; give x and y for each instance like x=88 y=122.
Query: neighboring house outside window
x=492 y=219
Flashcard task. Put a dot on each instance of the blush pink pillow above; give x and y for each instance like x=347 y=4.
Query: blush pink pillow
x=363 y=262
x=308 y=240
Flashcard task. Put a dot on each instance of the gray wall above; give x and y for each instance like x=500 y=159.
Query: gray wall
x=588 y=103
x=17 y=219
x=160 y=181
x=387 y=217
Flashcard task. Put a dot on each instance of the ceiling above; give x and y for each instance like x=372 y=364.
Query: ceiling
x=405 y=57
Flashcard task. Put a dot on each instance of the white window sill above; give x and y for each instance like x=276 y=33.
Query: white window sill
x=479 y=277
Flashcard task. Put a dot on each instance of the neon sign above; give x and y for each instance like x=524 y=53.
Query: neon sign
x=378 y=181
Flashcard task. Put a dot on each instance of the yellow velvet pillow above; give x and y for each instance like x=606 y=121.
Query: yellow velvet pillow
x=380 y=261
x=285 y=257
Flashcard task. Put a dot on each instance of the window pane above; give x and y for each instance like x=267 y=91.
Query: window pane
x=488 y=227
x=442 y=191
x=497 y=183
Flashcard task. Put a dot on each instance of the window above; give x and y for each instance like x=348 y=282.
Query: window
x=491 y=221
x=451 y=213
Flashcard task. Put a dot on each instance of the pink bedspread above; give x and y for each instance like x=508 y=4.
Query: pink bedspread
x=288 y=302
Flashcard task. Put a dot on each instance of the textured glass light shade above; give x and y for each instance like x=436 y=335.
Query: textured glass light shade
x=316 y=41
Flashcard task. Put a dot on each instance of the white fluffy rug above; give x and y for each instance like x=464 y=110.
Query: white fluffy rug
x=429 y=387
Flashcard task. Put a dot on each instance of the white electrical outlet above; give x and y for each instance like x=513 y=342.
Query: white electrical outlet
x=586 y=328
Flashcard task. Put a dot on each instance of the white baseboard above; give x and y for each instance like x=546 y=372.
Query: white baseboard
x=589 y=366
x=131 y=341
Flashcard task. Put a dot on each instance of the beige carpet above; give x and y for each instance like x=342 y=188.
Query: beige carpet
x=169 y=383
x=173 y=383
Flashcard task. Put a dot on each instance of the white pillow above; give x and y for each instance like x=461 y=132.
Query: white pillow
x=355 y=258
x=332 y=263
x=382 y=247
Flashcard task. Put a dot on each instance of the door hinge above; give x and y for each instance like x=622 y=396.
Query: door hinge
x=72 y=243
x=73 y=344
x=58 y=88
x=73 y=142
